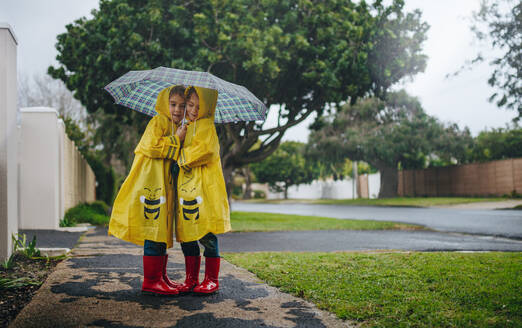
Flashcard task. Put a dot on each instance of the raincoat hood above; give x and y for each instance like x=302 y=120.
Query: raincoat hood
x=162 y=102
x=207 y=101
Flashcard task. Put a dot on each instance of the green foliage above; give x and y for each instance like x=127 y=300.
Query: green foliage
x=105 y=176
x=500 y=143
x=237 y=191
x=100 y=207
x=67 y=222
x=73 y=131
x=27 y=249
x=338 y=170
x=387 y=133
x=259 y=194
x=302 y=55
x=252 y=221
x=7 y=283
x=411 y=289
x=20 y=246
x=9 y=262
x=284 y=168
x=503 y=30
x=87 y=213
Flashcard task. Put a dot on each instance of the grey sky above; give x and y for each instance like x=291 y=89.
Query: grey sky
x=461 y=99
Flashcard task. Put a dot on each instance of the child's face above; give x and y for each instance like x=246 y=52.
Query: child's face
x=176 y=107
x=193 y=107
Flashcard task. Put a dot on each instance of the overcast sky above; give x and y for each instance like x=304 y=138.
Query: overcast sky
x=461 y=99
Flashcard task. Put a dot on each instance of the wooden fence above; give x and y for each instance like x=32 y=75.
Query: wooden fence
x=495 y=178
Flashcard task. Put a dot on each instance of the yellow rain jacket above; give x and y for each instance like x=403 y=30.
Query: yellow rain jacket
x=201 y=186
x=145 y=204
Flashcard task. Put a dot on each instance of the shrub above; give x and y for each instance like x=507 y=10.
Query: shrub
x=259 y=194
x=67 y=222
x=100 y=207
x=86 y=213
x=237 y=190
x=105 y=190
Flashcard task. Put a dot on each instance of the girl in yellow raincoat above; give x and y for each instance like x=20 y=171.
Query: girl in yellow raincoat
x=144 y=207
x=203 y=210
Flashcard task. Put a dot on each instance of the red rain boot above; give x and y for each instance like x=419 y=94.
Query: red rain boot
x=192 y=264
x=153 y=277
x=210 y=283
x=169 y=282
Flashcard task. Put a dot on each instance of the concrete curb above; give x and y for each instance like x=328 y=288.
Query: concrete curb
x=49 y=251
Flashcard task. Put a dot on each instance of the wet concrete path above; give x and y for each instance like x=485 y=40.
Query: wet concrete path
x=99 y=286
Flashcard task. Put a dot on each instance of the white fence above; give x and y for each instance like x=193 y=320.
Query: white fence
x=329 y=189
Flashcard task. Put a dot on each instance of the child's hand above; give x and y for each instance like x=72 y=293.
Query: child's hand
x=181 y=132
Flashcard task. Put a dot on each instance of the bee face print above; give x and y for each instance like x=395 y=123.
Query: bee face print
x=190 y=208
x=152 y=202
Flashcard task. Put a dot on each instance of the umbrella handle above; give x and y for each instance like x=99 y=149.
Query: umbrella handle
x=184 y=115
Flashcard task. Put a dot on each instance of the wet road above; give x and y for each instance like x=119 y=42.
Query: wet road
x=345 y=240
x=505 y=223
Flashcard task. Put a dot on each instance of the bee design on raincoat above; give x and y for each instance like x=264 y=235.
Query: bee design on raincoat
x=144 y=207
x=152 y=203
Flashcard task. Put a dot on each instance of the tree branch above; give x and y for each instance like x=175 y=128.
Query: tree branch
x=286 y=126
x=262 y=153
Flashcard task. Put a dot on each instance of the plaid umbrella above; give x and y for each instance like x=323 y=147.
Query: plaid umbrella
x=139 y=89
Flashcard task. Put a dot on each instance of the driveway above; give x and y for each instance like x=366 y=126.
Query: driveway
x=504 y=223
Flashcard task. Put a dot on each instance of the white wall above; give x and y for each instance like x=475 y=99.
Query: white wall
x=8 y=140
x=53 y=174
x=374 y=185
x=329 y=189
x=40 y=182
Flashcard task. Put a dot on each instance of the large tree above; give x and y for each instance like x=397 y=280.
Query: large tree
x=299 y=56
x=499 y=23
x=387 y=134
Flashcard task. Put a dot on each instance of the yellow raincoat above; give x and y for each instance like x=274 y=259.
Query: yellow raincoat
x=201 y=186
x=145 y=203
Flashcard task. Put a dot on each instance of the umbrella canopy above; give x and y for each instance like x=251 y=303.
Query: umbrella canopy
x=139 y=89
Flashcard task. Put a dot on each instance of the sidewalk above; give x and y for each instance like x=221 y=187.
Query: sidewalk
x=99 y=286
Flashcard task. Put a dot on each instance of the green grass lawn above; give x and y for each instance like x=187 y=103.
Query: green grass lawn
x=400 y=289
x=398 y=201
x=251 y=221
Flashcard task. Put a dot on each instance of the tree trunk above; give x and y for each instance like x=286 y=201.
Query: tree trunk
x=285 y=190
x=227 y=174
x=248 y=183
x=389 y=182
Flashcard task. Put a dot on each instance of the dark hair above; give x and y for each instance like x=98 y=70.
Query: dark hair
x=190 y=91
x=177 y=90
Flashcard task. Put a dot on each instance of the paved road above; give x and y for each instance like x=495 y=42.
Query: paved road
x=505 y=223
x=343 y=240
